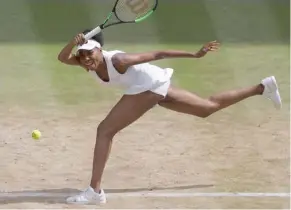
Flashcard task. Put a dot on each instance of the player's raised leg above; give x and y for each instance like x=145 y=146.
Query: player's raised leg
x=186 y=102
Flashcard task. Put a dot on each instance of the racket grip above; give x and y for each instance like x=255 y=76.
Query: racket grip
x=92 y=33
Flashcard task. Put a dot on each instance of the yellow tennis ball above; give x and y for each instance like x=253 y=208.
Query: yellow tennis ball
x=36 y=134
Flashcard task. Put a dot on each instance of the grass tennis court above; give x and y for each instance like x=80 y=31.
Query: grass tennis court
x=242 y=149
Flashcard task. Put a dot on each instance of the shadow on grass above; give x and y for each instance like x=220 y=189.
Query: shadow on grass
x=59 y=196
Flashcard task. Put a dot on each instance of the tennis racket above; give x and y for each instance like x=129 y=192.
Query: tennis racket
x=126 y=11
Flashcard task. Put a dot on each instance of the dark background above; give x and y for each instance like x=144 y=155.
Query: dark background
x=179 y=21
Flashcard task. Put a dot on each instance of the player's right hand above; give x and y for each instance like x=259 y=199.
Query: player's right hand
x=79 y=39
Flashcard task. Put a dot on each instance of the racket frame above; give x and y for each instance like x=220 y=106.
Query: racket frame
x=99 y=28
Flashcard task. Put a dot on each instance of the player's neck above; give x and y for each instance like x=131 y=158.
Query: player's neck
x=102 y=65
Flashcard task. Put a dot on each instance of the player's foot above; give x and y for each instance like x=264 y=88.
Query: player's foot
x=89 y=196
x=271 y=91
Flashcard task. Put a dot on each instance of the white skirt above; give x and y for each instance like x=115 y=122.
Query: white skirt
x=160 y=86
x=162 y=89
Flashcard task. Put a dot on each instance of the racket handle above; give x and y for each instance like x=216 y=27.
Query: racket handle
x=92 y=33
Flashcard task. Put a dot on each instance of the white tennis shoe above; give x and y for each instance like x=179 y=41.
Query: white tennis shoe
x=88 y=196
x=271 y=91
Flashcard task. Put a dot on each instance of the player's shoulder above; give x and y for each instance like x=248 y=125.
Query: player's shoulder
x=111 y=53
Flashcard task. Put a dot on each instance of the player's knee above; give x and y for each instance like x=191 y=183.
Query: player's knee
x=205 y=114
x=208 y=110
x=104 y=130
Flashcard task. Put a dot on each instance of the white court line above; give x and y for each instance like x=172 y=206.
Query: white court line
x=149 y=194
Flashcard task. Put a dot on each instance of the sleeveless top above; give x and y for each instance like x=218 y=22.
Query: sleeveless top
x=137 y=78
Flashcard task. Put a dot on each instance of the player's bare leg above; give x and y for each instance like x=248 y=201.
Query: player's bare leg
x=126 y=111
x=186 y=102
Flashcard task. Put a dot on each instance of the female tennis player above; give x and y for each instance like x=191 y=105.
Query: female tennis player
x=145 y=85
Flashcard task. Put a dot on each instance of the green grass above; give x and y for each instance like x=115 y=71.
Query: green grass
x=41 y=78
x=254 y=33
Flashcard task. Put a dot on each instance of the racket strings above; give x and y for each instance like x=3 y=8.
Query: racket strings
x=111 y=20
x=130 y=10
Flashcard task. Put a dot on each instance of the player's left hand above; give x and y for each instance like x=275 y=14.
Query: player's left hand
x=211 y=46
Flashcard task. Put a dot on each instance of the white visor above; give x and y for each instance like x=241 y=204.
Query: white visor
x=90 y=45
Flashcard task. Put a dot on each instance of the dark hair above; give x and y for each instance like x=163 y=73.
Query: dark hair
x=98 y=37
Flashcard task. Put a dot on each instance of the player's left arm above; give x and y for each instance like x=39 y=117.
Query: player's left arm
x=125 y=60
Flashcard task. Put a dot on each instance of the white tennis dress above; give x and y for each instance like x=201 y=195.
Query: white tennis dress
x=138 y=78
